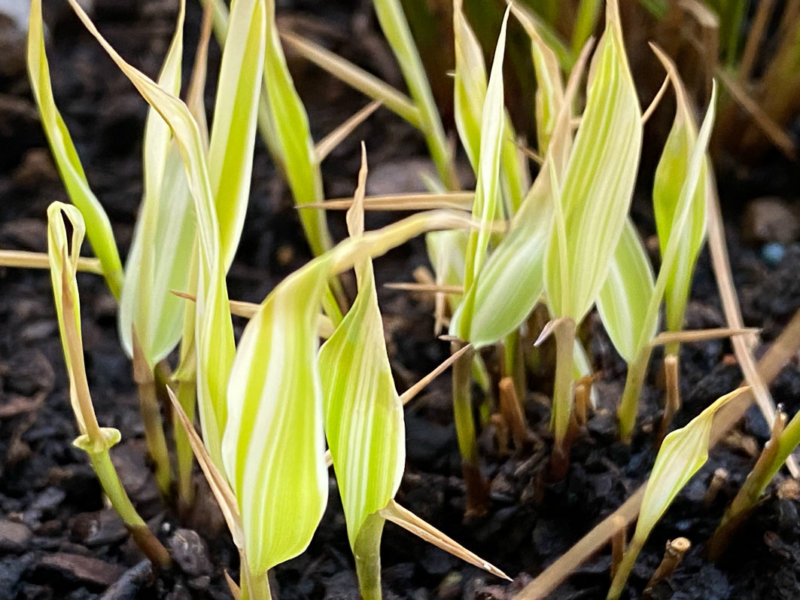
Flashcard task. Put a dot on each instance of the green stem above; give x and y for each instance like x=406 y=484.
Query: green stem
x=477 y=490
x=629 y=406
x=562 y=389
x=254 y=587
x=112 y=487
x=154 y=434
x=183 y=449
x=514 y=362
x=769 y=463
x=396 y=30
x=624 y=569
x=366 y=551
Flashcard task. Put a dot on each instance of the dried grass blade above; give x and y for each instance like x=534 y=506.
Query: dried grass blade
x=424 y=530
x=326 y=145
x=356 y=77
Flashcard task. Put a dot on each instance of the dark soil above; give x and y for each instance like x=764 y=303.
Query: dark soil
x=58 y=540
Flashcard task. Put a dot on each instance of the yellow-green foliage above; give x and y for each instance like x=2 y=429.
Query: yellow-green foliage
x=69 y=165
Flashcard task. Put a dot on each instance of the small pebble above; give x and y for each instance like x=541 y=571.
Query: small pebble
x=773 y=253
x=14 y=537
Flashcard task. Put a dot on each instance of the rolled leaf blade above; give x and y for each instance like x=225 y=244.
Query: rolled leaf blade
x=670 y=174
x=292 y=137
x=232 y=137
x=485 y=206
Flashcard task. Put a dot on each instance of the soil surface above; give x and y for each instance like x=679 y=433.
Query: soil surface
x=59 y=541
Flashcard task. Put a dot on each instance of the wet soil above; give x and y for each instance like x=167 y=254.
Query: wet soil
x=59 y=540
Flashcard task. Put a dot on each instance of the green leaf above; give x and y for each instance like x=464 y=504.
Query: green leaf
x=625 y=295
x=470 y=93
x=469 y=84
x=230 y=149
x=363 y=413
x=293 y=136
x=66 y=157
x=512 y=281
x=485 y=205
x=599 y=179
x=273 y=448
x=695 y=174
x=670 y=176
x=682 y=454
x=549 y=83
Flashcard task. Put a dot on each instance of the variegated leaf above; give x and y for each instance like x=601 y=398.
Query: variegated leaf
x=599 y=179
x=487 y=192
x=669 y=178
x=625 y=295
x=273 y=447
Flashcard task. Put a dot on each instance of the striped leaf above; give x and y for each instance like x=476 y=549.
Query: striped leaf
x=549 y=83
x=684 y=211
x=470 y=93
x=681 y=455
x=232 y=137
x=213 y=328
x=599 y=179
x=512 y=281
x=273 y=447
x=485 y=206
x=166 y=226
x=625 y=295
x=363 y=414
x=66 y=157
x=667 y=188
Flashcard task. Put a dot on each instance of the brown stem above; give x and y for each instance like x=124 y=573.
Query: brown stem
x=672 y=400
x=717 y=481
x=673 y=555
x=618 y=543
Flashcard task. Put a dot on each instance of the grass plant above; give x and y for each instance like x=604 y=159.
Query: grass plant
x=565 y=241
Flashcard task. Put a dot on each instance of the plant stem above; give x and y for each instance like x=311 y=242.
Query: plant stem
x=629 y=406
x=254 y=587
x=477 y=490
x=672 y=398
x=112 y=487
x=151 y=416
x=564 y=332
x=183 y=449
x=772 y=457
x=366 y=551
x=624 y=569
x=514 y=363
